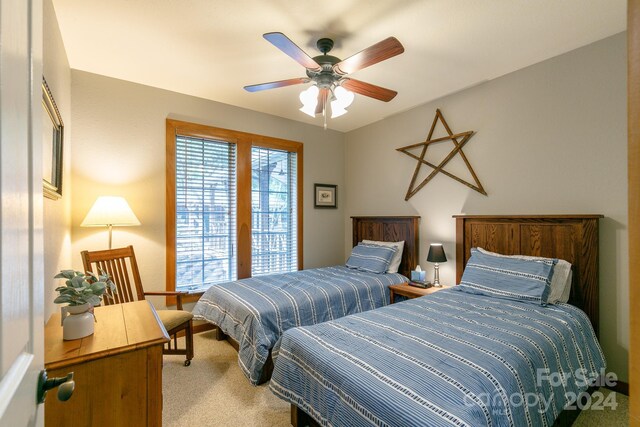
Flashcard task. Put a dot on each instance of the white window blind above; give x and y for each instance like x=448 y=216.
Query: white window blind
x=274 y=231
x=205 y=212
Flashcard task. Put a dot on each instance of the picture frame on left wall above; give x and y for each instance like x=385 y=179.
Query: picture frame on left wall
x=52 y=143
x=326 y=196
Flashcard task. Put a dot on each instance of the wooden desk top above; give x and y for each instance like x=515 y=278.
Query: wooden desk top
x=119 y=328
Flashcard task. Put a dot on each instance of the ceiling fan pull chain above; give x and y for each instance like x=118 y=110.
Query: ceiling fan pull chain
x=324 y=112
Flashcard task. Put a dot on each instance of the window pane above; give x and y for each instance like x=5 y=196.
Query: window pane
x=274 y=211
x=205 y=212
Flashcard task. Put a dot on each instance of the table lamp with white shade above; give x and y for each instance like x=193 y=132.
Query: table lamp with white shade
x=110 y=211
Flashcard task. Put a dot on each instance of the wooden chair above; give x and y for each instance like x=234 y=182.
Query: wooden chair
x=121 y=266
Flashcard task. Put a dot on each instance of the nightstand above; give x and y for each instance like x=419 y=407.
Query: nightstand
x=410 y=291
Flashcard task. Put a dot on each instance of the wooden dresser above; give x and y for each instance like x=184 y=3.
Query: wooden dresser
x=117 y=370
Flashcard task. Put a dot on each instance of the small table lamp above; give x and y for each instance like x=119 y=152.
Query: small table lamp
x=109 y=211
x=436 y=255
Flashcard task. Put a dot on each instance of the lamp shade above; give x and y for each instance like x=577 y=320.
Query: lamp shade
x=342 y=99
x=110 y=210
x=436 y=253
x=309 y=99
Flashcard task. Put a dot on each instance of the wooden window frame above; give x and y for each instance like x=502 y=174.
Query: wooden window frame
x=244 y=142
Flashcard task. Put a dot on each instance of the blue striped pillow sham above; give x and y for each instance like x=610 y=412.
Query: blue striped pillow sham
x=370 y=258
x=511 y=278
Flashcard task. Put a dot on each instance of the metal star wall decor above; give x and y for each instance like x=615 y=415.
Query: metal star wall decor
x=458 y=139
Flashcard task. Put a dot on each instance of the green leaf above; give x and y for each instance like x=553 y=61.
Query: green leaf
x=76 y=282
x=65 y=274
x=61 y=299
x=112 y=287
x=98 y=287
x=93 y=300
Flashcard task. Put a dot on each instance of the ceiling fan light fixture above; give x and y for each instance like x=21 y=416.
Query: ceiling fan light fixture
x=343 y=96
x=337 y=111
x=309 y=110
x=342 y=99
x=309 y=99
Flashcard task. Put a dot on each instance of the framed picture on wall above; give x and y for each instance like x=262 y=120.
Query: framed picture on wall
x=52 y=139
x=326 y=196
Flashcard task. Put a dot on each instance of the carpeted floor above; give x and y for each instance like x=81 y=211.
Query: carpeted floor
x=614 y=415
x=213 y=392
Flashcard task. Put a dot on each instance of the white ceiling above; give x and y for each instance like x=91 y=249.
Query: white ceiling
x=212 y=48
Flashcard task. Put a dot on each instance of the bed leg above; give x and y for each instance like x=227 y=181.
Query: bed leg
x=299 y=418
x=568 y=417
x=219 y=334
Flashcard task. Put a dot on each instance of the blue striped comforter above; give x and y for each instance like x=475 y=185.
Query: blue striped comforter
x=448 y=359
x=256 y=311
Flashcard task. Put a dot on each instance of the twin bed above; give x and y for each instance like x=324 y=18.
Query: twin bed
x=460 y=356
x=448 y=359
x=255 y=312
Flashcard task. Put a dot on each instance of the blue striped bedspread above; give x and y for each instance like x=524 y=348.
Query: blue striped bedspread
x=256 y=311
x=448 y=359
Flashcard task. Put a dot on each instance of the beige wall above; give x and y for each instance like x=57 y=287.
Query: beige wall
x=120 y=150
x=57 y=213
x=551 y=138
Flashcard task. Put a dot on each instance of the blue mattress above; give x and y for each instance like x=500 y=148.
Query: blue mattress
x=256 y=311
x=450 y=358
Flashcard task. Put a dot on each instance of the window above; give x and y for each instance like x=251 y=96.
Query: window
x=273 y=207
x=205 y=201
x=233 y=203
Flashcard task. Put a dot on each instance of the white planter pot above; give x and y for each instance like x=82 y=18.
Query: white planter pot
x=77 y=321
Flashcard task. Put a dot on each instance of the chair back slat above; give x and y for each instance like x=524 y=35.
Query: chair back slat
x=112 y=266
x=102 y=267
x=120 y=264
x=121 y=274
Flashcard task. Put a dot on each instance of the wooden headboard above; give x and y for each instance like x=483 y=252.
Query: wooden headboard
x=570 y=237
x=391 y=229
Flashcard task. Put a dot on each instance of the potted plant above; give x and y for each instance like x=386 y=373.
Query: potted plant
x=82 y=291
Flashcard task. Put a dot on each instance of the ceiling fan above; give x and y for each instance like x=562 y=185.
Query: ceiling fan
x=329 y=74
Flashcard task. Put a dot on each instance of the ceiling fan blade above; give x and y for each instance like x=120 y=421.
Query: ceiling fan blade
x=380 y=51
x=273 y=85
x=323 y=95
x=283 y=43
x=367 y=89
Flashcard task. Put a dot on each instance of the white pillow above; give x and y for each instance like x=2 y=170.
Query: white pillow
x=560 y=281
x=394 y=264
x=566 y=293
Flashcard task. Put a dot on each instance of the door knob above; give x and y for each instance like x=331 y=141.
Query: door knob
x=65 y=385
